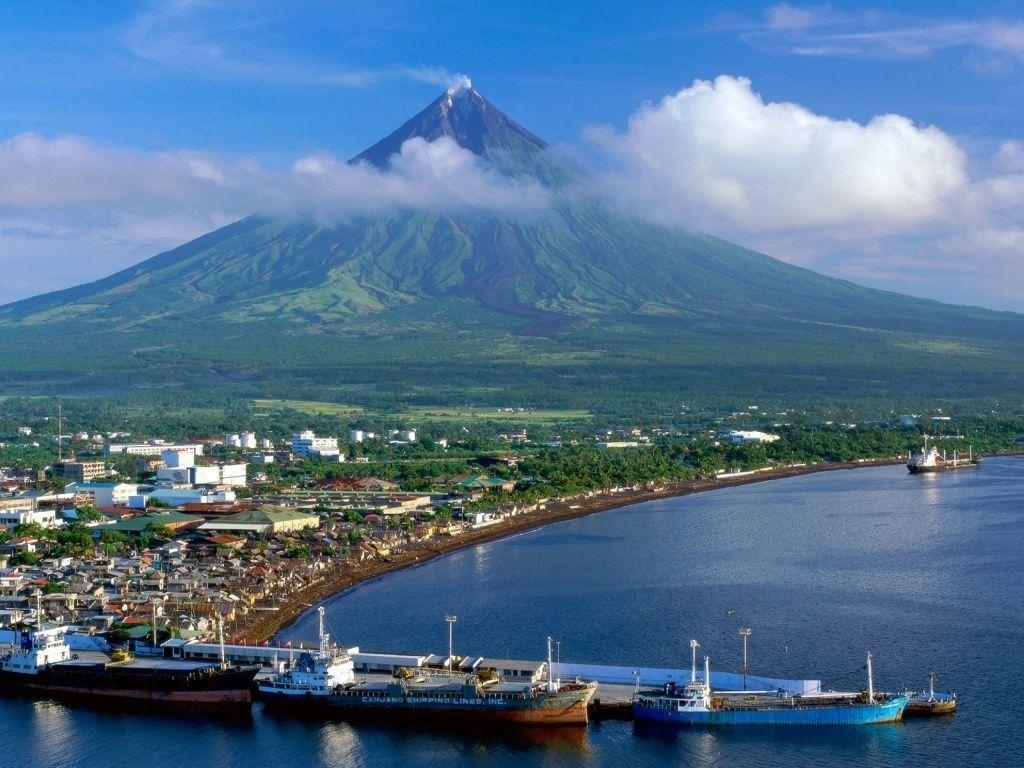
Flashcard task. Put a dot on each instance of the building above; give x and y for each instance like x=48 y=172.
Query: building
x=216 y=474
x=265 y=519
x=178 y=458
x=9 y=518
x=80 y=471
x=306 y=444
x=749 y=436
x=179 y=496
x=149 y=448
x=484 y=483
x=139 y=524
x=105 y=494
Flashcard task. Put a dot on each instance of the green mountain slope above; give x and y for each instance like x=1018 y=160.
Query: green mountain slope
x=574 y=305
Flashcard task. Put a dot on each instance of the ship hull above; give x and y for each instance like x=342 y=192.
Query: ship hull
x=853 y=714
x=926 y=708
x=916 y=469
x=232 y=688
x=563 y=708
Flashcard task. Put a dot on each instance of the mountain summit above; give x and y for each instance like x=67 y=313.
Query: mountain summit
x=462 y=114
x=569 y=307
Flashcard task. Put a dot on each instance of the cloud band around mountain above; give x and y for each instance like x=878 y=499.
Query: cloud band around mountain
x=714 y=156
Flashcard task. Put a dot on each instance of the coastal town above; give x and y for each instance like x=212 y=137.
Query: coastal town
x=144 y=540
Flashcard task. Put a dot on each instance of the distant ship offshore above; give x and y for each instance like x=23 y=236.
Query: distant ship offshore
x=929 y=460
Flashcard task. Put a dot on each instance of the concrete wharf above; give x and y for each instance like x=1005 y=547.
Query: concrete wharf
x=616 y=683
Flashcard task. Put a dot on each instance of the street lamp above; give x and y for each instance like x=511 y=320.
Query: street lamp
x=451 y=618
x=745 y=633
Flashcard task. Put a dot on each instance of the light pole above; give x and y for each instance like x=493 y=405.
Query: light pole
x=451 y=618
x=745 y=633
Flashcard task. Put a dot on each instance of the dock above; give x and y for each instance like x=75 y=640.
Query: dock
x=616 y=683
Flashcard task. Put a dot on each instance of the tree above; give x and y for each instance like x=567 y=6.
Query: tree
x=159 y=532
x=87 y=513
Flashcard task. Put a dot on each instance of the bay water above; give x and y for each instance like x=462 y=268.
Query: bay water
x=926 y=572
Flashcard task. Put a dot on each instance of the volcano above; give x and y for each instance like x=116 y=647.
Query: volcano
x=574 y=304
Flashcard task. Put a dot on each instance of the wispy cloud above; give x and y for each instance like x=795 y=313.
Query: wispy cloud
x=243 y=40
x=991 y=43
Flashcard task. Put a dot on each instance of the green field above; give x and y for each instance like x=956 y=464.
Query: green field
x=427 y=413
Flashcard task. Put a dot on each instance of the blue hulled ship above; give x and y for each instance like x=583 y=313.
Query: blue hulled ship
x=696 y=704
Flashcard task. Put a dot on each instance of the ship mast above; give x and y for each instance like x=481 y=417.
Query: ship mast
x=324 y=637
x=220 y=638
x=871 y=682
x=551 y=684
x=694 y=645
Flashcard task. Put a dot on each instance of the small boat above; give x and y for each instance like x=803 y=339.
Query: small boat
x=929 y=703
x=696 y=704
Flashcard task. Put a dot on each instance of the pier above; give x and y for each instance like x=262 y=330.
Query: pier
x=616 y=683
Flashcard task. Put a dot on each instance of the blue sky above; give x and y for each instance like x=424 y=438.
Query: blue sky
x=127 y=128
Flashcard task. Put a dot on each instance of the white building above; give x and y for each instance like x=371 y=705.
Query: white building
x=249 y=441
x=356 y=436
x=150 y=448
x=232 y=474
x=232 y=441
x=105 y=494
x=9 y=518
x=216 y=474
x=307 y=444
x=179 y=457
x=752 y=436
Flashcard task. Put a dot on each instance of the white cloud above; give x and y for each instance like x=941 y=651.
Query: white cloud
x=867 y=201
x=437 y=176
x=786 y=16
x=993 y=45
x=72 y=211
x=717 y=157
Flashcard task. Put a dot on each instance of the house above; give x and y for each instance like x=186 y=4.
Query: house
x=484 y=483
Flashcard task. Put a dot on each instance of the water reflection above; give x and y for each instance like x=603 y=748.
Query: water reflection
x=782 y=746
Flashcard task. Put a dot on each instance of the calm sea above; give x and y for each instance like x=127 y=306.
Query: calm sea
x=925 y=572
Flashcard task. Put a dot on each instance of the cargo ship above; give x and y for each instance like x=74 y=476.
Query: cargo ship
x=325 y=678
x=42 y=661
x=696 y=704
x=929 y=460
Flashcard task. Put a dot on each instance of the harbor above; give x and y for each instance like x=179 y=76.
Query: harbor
x=801 y=625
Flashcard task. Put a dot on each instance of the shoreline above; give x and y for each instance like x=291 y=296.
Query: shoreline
x=258 y=628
